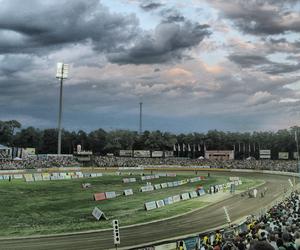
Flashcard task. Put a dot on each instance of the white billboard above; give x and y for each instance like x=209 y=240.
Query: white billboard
x=127 y=153
x=141 y=153
x=219 y=154
x=283 y=155
x=265 y=154
x=157 y=154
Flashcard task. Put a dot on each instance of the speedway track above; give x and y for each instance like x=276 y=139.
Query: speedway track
x=206 y=218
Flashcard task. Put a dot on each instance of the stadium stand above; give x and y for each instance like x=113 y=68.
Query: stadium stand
x=278 y=228
x=38 y=163
x=274 y=165
x=103 y=161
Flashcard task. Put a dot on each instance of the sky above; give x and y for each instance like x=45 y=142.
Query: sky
x=196 y=65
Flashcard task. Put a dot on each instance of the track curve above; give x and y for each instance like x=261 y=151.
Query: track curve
x=204 y=219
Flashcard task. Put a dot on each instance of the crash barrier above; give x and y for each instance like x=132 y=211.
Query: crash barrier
x=110 y=195
x=157 y=176
x=173 y=199
x=50 y=176
x=189 y=195
x=170 y=184
x=129 y=180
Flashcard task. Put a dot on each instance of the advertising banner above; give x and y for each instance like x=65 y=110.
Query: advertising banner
x=185 y=196
x=110 y=195
x=168 y=246
x=201 y=192
x=147 y=188
x=175 y=183
x=171 y=174
x=46 y=176
x=150 y=205
x=28 y=177
x=176 y=198
x=126 y=153
x=128 y=192
x=27 y=152
x=68 y=176
x=283 y=155
x=193 y=194
x=141 y=153
x=18 y=176
x=160 y=203
x=37 y=177
x=126 y=180
x=79 y=174
x=168 y=201
x=265 y=154
x=158 y=154
x=170 y=184
x=190 y=243
x=164 y=185
x=98 y=214
x=99 y=196
x=5 y=177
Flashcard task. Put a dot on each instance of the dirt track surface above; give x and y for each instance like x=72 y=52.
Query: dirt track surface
x=209 y=217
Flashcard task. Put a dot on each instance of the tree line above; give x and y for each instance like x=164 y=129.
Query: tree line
x=101 y=142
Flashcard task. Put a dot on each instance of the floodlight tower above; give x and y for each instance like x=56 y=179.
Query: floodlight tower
x=61 y=73
x=141 y=124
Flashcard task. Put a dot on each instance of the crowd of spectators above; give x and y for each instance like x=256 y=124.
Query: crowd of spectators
x=30 y=163
x=274 y=165
x=278 y=229
x=112 y=161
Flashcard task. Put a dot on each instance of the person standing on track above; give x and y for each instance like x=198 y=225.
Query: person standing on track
x=255 y=192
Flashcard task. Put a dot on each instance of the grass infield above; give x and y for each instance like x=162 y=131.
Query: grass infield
x=49 y=207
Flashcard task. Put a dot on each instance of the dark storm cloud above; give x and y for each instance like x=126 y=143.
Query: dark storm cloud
x=11 y=64
x=26 y=26
x=167 y=43
x=261 y=17
x=149 y=5
x=262 y=63
x=171 y=15
x=248 y=60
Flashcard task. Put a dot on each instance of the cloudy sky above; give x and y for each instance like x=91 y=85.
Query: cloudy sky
x=195 y=64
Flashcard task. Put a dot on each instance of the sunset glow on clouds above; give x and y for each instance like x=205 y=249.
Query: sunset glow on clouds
x=196 y=65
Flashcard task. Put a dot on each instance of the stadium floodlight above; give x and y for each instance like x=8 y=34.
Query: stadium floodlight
x=62 y=72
